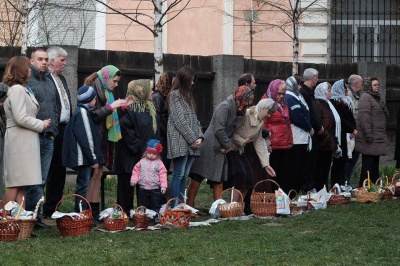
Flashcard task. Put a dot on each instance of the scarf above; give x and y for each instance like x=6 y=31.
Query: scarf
x=272 y=91
x=140 y=89
x=377 y=96
x=320 y=93
x=338 y=93
x=291 y=85
x=106 y=74
x=240 y=96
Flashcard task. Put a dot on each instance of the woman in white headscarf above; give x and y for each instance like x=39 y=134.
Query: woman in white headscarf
x=344 y=106
x=328 y=141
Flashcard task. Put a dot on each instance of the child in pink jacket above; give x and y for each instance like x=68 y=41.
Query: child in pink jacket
x=151 y=175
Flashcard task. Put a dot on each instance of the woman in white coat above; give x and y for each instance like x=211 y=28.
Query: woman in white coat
x=21 y=141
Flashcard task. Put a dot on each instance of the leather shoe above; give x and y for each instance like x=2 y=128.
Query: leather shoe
x=39 y=224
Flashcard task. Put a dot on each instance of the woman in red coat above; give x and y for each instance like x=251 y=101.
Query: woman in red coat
x=280 y=130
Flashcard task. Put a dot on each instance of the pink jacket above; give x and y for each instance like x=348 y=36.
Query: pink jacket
x=150 y=174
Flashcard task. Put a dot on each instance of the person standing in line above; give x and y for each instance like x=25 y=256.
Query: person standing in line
x=105 y=114
x=301 y=130
x=81 y=148
x=57 y=173
x=45 y=92
x=281 y=137
x=212 y=163
x=22 y=146
x=344 y=106
x=184 y=133
x=371 y=140
x=139 y=124
x=310 y=78
x=327 y=142
x=164 y=86
x=355 y=84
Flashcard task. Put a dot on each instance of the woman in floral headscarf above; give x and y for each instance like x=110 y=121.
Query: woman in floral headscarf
x=212 y=163
x=105 y=114
x=344 y=106
x=139 y=124
x=371 y=140
x=279 y=126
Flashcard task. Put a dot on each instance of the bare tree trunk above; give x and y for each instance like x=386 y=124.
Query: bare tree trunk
x=295 y=38
x=24 y=46
x=158 y=41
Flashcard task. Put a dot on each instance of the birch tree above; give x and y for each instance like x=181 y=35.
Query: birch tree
x=163 y=13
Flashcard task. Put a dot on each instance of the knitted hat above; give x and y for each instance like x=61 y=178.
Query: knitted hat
x=86 y=94
x=154 y=146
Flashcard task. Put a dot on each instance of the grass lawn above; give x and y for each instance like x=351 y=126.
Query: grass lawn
x=357 y=234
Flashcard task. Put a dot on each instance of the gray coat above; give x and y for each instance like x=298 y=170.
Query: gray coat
x=183 y=128
x=371 y=123
x=212 y=163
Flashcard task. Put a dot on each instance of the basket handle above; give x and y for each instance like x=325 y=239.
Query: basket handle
x=394 y=178
x=265 y=180
x=290 y=192
x=119 y=206
x=334 y=191
x=170 y=200
x=377 y=182
x=73 y=195
x=228 y=189
x=143 y=208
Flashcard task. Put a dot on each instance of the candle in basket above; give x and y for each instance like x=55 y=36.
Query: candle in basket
x=264 y=196
x=232 y=194
x=185 y=197
x=381 y=183
x=369 y=180
x=80 y=206
x=387 y=181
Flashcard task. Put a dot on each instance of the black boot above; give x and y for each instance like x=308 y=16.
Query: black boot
x=95 y=212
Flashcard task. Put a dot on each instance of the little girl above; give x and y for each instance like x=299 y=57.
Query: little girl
x=151 y=174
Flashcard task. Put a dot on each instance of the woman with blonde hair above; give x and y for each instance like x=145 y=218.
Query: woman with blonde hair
x=22 y=148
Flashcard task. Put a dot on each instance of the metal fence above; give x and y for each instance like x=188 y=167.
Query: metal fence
x=365 y=30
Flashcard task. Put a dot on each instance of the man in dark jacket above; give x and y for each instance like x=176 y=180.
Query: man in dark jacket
x=310 y=78
x=57 y=173
x=45 y=93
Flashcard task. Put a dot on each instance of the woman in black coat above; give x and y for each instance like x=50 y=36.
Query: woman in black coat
x=344 y=106
x=138 y=126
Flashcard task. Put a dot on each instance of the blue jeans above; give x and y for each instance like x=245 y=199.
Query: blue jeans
x=82 y=185
x=35 y=192
x=180 y=174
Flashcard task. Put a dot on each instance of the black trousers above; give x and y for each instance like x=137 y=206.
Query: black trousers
x=125 y=192
x=296 y=167
x=324 y=161
x=369 y=163
x=56 y=178
x=279 y=161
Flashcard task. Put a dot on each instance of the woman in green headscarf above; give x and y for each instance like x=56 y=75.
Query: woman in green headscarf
x=105 y=114
x=139 y=124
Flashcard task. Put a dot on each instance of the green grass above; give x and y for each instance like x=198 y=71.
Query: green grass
x=358 y=234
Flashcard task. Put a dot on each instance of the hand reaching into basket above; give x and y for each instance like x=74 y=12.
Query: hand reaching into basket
x=270 y=170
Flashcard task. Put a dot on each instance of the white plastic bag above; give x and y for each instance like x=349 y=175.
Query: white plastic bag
x=282 y=202
x=214 y=212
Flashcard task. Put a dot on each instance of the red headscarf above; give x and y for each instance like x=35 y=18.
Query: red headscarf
x=241 y=95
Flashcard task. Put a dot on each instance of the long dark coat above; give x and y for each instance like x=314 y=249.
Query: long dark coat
x=212 y=163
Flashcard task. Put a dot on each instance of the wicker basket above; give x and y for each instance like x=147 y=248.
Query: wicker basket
x=387 y=195
x=180 y=218
x=337 y=199
x=116 y=224
x=366 y=196
x=396 y=179
x=26 y=228
x=232 y=209
x=141 y=220
x=77 y=225
x=293 y=207
x=9 y=229
x=261 y=203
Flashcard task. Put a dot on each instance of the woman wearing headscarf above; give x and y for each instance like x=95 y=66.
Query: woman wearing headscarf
x=139 y=124
x=327 y=142
x=212 y=163
x=345 y=107
x=281 y=138
x=164 y=85
x=249 y=129
x=371 y=140
x=301 y=130
x=105 y=114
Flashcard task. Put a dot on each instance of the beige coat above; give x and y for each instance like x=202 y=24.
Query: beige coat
x=250 y=127
x=21 y=141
